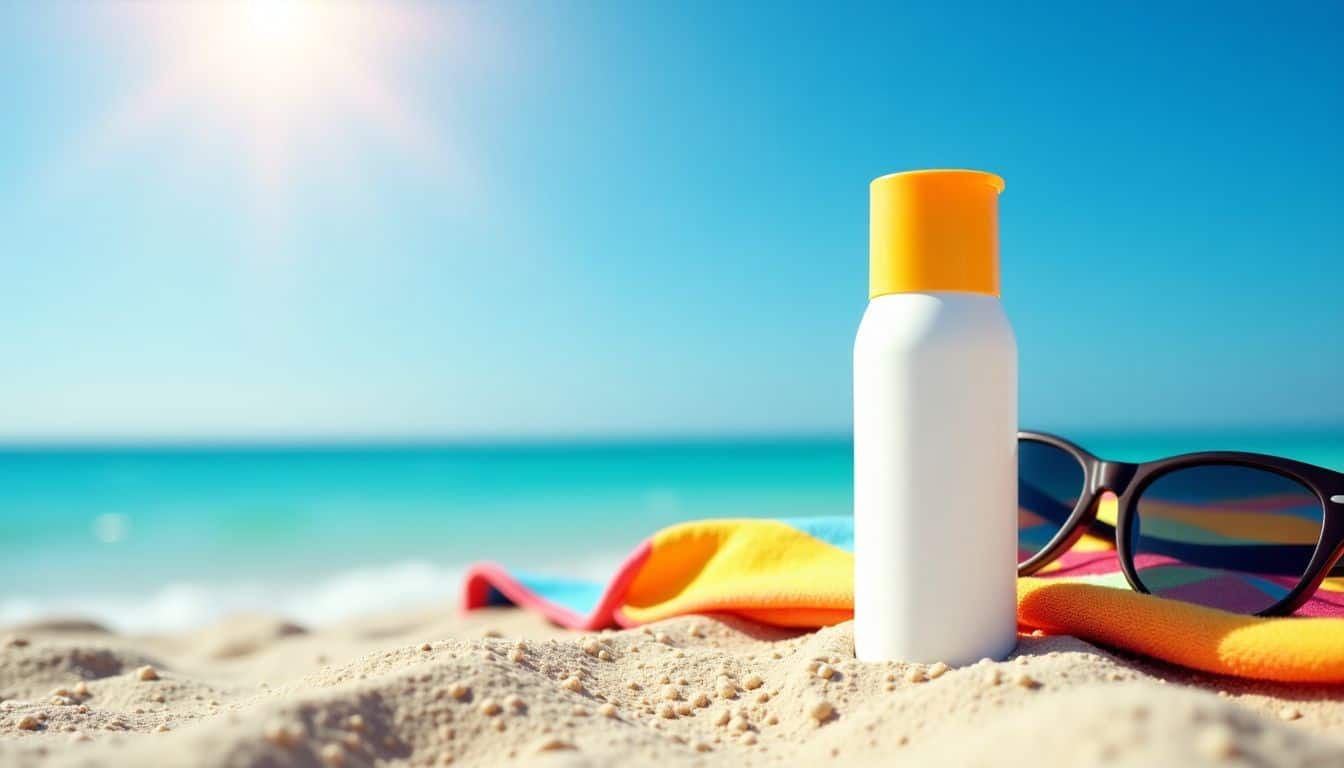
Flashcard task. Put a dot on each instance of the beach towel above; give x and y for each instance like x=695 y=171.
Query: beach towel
x=799 y=573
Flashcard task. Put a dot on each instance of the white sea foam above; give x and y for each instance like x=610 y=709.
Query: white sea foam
x=185 y=605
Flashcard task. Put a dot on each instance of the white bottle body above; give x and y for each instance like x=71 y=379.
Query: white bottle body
x=935 y=479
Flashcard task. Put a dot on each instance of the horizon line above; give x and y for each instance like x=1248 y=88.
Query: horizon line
x=541 y=439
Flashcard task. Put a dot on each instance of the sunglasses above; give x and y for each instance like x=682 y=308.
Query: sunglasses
x=1241 y=532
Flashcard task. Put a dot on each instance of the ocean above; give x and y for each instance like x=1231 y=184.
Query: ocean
x=155 y=538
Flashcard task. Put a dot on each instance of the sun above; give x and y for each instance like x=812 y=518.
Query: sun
x=279 y=79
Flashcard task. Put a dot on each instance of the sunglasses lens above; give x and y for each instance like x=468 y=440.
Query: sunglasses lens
x=1224 y=536
x=1049 y=482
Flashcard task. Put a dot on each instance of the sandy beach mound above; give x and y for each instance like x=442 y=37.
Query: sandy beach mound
x=502 y=687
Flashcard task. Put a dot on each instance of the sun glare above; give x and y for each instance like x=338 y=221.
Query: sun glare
x=280 y=78
x=278 y=26
x=270 y=16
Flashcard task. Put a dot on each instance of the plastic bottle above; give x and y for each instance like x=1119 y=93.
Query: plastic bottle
x=935 y=427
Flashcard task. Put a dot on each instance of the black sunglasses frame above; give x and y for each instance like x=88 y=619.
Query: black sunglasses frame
x=1128 y=482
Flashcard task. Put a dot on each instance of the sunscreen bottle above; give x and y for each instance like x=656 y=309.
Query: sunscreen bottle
x=935 y=427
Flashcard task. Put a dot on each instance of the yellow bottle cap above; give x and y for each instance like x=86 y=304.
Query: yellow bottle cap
x=934 y=231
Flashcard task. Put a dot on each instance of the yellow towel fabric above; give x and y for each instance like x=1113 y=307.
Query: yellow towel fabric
x=773 y=571
x=1287 y=649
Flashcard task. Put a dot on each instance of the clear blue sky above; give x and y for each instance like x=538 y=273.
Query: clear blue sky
x=646 y=218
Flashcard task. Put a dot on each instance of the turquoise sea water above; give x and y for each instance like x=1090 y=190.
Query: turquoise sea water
x=155 y=537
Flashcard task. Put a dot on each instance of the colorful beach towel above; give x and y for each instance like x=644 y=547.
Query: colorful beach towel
x=799 y=573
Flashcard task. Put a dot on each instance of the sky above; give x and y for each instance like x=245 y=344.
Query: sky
x=279 y=219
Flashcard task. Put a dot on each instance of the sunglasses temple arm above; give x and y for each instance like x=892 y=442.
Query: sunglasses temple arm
x=1101 y=530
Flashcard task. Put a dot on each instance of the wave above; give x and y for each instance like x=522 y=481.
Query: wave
x=184 y=605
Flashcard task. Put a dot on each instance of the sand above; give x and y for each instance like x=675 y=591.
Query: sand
x=501 y=687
